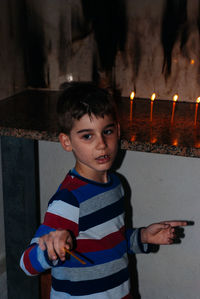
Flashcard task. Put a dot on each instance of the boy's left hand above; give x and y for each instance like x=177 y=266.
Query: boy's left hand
x=162 y=233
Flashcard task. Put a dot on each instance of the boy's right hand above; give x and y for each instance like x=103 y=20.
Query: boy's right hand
x=55 y=243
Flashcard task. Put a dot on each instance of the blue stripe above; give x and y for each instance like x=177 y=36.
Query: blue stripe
x=101 y=215
x=98 y=257
x=34 y=260
x=43 y=230
x=65 y=196
x=92 y=189
x=113 y=178
x=105 y=256
x=88 y=287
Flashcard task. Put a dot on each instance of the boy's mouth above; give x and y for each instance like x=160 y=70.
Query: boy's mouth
x=103 y=158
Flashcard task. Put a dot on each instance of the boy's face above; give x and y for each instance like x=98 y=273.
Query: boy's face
x=94 y=142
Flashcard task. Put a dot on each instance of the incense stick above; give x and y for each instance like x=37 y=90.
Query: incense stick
x=75 y=256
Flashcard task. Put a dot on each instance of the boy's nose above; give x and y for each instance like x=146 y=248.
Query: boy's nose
x=101 y=142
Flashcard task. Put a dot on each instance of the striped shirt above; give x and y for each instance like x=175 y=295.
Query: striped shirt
x=94 y=213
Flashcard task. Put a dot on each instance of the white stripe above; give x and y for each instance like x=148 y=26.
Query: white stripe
x=100 y=201
x=103 y=229
x=90 y=273
x=65 y=210
x=34 y=240
x=118 y=292
x=41 y=259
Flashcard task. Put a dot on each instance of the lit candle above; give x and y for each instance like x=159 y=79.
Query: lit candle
x=175 y=142
x=133 y=138
x=153 y=96
x=152 y=100
x=153 y=139
x=132 y=96
x=175 y=98
x=196 y=110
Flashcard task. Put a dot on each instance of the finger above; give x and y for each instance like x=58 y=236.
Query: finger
x=59 y=248
x=172 y=235
x=168 y=238
x=59 y=242
x=69 y=242
x=176 y=223
x=42 y=244
x=50 y=248
x=68 y=245
x=62 y=240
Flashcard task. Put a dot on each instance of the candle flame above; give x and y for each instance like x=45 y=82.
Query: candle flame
x=153 y=96
x=198 y=100
x=153 y=140
x=132 y=95
x=133 y=138
x=197 y=144
x=175 y=97
x=175 y=142
x=192 y=61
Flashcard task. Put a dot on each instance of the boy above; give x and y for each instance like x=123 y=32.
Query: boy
x=86 y=214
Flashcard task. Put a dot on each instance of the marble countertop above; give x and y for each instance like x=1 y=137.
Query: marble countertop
x=160 y=127
x=30 y=114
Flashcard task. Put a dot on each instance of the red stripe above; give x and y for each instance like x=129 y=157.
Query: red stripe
x=72 y=183
x=27 y=262
x=59 y=222
x=129 y=296
x=107 y=242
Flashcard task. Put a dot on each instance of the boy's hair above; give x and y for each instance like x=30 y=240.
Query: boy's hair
x=83 y=98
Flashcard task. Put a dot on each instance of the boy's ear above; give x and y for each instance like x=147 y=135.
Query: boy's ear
x=65 y=142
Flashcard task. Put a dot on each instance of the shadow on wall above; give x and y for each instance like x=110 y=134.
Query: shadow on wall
x=108 y=20
x=128 y=223
x=174 y=25
x=109 y=23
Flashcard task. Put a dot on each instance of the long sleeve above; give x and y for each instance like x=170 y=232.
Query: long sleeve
x=134 y=241
x=35 y=261
x=62 y=213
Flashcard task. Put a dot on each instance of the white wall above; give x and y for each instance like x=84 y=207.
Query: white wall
x=53 y=166
x=167 y=187
x=163 y=187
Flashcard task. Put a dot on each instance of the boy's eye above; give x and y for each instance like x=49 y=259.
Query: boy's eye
x=108 y=132
x=87 y=136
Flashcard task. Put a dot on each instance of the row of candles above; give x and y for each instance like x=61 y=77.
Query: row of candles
x=153 y=97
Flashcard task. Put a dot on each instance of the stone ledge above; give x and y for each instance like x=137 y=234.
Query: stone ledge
x=160 y=127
